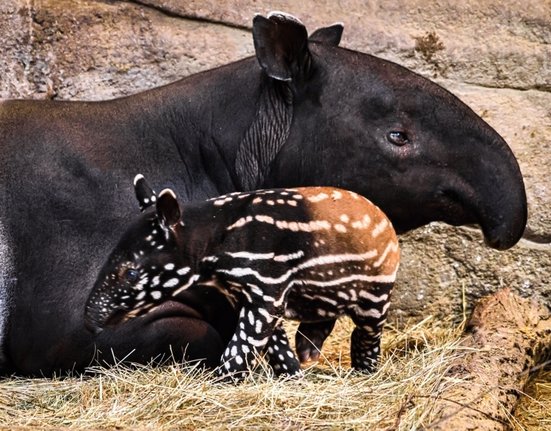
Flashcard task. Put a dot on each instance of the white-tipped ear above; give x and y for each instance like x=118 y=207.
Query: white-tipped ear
x=168 y=209
x=144 y=194
x=276 y=14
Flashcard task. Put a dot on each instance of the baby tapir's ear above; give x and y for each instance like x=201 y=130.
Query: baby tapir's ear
x=168 y=209
x=145 y=194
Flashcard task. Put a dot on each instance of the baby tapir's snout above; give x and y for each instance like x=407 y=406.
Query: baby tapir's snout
x=105 y=307
x=310 y=254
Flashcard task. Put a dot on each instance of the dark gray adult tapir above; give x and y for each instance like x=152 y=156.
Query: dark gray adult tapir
x=301 y=112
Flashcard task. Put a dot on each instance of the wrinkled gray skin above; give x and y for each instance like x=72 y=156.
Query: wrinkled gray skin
x=303 y=112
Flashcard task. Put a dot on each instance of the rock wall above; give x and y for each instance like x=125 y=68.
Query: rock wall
x=495 y=56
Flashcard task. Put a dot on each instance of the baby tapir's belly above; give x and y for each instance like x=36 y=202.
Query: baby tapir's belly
x=305 y=303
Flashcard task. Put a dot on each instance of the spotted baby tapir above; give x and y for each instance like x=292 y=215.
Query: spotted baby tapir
x=310 y=254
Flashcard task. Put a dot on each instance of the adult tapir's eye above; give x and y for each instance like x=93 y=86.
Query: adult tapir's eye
x=131 y=275
x=397 y=138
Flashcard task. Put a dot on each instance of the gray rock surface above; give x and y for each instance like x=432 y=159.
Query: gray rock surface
x=494 y=55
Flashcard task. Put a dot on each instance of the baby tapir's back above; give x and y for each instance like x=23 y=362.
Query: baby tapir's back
x=307 y=222
x=352 y=225
x=306 y=236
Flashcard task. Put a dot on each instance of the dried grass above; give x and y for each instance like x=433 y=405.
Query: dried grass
x=330 y=396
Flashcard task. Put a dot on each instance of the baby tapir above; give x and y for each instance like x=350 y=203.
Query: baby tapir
x=310 y=254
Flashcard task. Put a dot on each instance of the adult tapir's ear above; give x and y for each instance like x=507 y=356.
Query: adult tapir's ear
x=168 y=209
x=145 y=194
x=328 y=35
x=281 y=45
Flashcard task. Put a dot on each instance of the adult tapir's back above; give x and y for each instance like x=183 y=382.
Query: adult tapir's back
x=318 y=115
x=64 y=188
x=54 y=225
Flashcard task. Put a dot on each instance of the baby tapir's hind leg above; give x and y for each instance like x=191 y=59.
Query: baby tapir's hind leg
x=369 y=315
x=364 y=348
x=310 y=337
x=279 y=354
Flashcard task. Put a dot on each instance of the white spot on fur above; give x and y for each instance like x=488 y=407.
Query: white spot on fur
x=241 y=222
x=265 y=219
x=183 y=271
x=363 y=223
x=340 y=228
x=379 y=228
x=371 y=297
x=257 y=343
x=318 y=198
x=171 y=283
x=343 y=295
x=336 y=195
x=269 y=318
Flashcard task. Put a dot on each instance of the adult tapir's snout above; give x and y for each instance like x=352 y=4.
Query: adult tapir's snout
x=465 y=176
x=494 y=189
x=475 y=172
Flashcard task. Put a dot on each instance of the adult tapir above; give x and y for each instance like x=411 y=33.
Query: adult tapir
x=303 y=111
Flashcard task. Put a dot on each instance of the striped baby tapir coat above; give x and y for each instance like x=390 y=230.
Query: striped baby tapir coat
x=310 y=254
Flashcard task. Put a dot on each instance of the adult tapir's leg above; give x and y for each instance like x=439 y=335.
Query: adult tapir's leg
x=310 y=337
x=139 y=340
x=196 y=326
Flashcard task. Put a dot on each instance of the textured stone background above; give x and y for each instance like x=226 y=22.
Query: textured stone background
x=494 y=55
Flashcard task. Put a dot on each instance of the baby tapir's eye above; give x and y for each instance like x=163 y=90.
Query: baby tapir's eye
x=397 y=137
x=131 y=275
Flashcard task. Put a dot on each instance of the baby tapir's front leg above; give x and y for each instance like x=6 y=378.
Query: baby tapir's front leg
x=257 y=322
x=254 y=328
